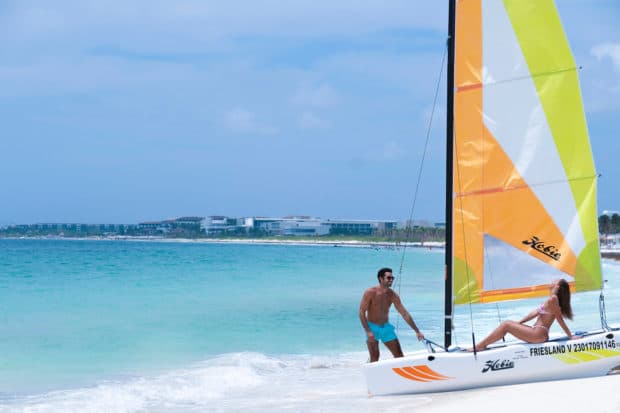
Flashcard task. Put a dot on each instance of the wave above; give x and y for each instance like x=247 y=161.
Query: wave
x=232 y=381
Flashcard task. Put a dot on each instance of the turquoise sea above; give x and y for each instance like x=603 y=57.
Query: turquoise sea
x=129 y=326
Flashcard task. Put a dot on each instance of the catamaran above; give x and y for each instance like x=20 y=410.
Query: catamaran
x=520 y=199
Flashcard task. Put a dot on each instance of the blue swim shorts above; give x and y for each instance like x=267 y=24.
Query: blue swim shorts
x=384 y=332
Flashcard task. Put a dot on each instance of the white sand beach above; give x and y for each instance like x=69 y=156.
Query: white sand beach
x=255 y=241
x=592 y=395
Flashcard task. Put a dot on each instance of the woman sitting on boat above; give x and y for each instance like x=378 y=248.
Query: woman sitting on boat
x=556 y=307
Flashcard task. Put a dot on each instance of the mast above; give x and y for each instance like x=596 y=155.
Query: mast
x=449 y=173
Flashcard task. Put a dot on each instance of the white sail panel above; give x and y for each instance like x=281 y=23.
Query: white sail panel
x=507 y=267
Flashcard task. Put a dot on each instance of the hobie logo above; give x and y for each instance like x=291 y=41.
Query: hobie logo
x=550 y=251
x=494 y=365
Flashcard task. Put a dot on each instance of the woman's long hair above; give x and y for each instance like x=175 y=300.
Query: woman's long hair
x=563 y=295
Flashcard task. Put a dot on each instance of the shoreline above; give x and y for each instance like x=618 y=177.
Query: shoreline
x=253 y=241
x=613 y=254
x=606 y=253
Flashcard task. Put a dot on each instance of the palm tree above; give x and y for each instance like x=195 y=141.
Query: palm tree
x=603 y=226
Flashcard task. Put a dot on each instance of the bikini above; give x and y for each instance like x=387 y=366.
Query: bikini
x=542 y=311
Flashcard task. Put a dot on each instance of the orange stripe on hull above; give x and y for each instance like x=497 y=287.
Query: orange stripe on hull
x=432 y=372
x=420 y=373
x=406 y=375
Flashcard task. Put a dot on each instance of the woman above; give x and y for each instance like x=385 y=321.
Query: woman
x=556 y=307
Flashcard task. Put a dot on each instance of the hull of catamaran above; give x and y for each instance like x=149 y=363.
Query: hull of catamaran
x=596 y=354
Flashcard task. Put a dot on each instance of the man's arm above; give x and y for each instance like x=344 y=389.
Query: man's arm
x=362 y=314
x=403 y=312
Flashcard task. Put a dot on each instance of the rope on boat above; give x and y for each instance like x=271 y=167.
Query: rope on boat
x=468 y=275
x=430 y=346
x=408 y=228
x=487 y=259
x=601 y=308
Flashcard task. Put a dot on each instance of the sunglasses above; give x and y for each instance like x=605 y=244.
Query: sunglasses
x=389 y=278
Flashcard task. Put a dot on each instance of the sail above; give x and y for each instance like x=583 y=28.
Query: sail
x=524 y=179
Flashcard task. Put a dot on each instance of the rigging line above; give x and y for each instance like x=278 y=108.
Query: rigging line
x=479 y=85
x=417 y=187
x=460 y=199
x=602 y=311
x=488 y=263
x=601 y=303
x=521 y=186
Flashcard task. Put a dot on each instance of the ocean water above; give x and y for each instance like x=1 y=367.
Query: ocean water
x=127 y=326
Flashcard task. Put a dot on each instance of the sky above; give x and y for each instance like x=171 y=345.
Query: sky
x=122 y=112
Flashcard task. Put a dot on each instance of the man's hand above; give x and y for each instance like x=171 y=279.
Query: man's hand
x=420 y=335
x=371 y=336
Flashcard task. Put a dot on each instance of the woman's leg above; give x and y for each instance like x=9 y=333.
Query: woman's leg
x=520 y=331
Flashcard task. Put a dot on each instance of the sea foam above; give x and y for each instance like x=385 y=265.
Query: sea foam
x=233 y=381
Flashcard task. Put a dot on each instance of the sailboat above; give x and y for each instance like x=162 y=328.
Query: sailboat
x=520 y=199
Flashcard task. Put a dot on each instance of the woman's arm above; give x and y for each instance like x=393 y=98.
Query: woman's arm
x=557 y=312
x=562 y=324
x=529 y=317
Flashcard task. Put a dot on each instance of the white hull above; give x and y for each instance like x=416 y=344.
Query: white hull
x=596 y=354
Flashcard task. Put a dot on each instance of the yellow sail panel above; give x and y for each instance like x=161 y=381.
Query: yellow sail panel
x=518 y=216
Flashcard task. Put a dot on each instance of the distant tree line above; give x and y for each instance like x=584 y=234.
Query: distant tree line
x=609 y=225
x=396 y=235
x=69 y=230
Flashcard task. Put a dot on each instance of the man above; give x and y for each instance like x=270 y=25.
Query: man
x=374 y=310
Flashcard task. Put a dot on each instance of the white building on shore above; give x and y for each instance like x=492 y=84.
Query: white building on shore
x=295 y=226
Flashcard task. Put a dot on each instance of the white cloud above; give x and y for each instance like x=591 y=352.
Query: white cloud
x=433 y=117
x=608 y=50
x=63 y=76
x=243 y=121
x=224 y=18
x=317 y=96
x=391 y=151
x=309 y=120
x=605 y=82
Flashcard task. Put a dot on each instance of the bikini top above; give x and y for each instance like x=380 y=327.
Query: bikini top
x=541 y=310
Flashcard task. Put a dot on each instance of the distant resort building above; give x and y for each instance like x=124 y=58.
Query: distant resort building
x=610 y=240
x=215 y=225
x=360 y=227
x=179 y=226
x=289 y=226
x=220 y=225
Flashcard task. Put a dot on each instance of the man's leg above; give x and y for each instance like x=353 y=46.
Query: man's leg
x=373 y=350
x=394 y=346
